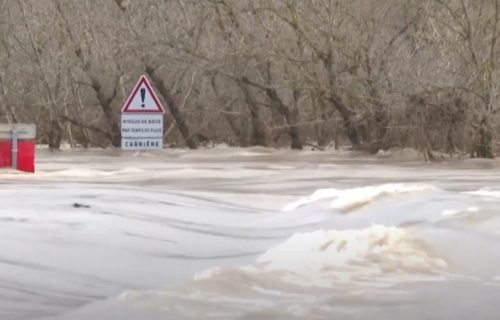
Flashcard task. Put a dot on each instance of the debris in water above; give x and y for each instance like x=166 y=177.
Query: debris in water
x=79 y=205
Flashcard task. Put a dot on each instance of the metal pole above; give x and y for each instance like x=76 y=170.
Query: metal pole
x=15 y=135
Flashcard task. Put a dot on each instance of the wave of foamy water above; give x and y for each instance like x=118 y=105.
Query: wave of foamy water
x=326 y=258
x=348 y=199
x=314 y=274
x=289 y=278
x=485 y=193
x=320 y=264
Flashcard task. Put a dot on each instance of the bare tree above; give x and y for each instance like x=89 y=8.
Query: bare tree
x=369 y=74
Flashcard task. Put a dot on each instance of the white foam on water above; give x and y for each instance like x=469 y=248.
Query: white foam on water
x=353 y=198
x=319 y=194
x=359 y=261
x=450 y=212
x=485 y=193
x=327 y=257
x=454 y=212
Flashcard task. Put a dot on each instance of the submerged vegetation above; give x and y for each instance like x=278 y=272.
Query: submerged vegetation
x=370 y=74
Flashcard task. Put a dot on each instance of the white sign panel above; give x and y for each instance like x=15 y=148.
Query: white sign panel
x=25 y=131
x=142 y=119
x=142 y=143
x=142 y=125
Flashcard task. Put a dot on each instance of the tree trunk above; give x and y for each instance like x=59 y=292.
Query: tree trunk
x=105 y=102
x=231 y=119
x=483 y=148
x=347 y=115
x=290 y=118
x=294 y=119
x=236 y=128
x=258 y=135
x=55 y=135
x=381 y=122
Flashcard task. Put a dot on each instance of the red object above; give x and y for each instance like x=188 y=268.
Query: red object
x=25 y=155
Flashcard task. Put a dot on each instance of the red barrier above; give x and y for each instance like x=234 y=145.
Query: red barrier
x=5 y=154
x=25 y=157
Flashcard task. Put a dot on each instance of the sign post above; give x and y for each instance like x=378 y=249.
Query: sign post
x=15 y=137
x=142 y=119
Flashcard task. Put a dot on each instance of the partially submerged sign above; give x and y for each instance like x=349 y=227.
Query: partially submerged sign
x=17 y=146
x=142 y=119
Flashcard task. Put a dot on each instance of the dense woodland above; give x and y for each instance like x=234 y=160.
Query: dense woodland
x=368 y=74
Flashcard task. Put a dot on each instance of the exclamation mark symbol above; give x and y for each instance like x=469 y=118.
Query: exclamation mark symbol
x=143 y=96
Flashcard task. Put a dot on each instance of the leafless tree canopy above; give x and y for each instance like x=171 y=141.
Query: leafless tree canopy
x=370 y=74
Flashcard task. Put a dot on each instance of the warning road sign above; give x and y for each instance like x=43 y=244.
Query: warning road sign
x=142 y=119
x=143 y=99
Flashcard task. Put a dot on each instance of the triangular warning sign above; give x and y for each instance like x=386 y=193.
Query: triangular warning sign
x=143 y=99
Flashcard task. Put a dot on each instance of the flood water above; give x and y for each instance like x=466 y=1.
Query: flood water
x=249 y=234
